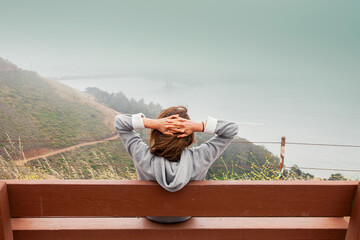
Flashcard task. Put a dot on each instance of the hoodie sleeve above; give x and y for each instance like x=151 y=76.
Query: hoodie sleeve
x=208 y=152
x=125 y=124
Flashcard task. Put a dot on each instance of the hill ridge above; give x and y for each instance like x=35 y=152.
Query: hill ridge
x=35 y=107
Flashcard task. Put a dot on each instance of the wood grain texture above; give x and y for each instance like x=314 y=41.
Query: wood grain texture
x=195 y=228
x=5 y=221
x=353 y=232
x=202 y=198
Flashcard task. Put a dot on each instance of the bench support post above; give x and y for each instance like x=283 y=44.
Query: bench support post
x=5 y=221
x=353 y=232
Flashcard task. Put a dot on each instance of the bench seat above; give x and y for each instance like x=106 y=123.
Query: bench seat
x=195 y=228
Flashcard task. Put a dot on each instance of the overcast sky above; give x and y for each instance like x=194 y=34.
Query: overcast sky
x=291 y=64
x=256 y=39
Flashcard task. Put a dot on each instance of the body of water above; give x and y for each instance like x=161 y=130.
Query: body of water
x=321 y=112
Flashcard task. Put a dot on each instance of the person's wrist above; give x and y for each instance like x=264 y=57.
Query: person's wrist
x=203 y=125
x=197 y=127
x=154 y=124
x=149 y=123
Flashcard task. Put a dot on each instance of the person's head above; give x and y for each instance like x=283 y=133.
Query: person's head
x=170 y=147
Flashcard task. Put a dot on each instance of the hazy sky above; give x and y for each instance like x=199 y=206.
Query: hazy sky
x=244 y=39
x=293 y=65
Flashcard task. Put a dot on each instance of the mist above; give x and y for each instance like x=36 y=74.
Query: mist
x=292 y=65
x=261 y=39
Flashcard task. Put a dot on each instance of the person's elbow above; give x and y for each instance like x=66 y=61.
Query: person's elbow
x=117 y=121
x=121 y=122
x=232 y=129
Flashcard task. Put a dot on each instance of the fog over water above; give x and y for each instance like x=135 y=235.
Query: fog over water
x=292 y=65
x=301 y=117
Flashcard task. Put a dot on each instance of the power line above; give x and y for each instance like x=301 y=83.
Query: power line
x=328 y=169
x=247 y=142
x=323 y=144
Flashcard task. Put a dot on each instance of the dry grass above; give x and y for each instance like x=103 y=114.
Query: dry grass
x=267 y=170
x=9 y=169
x=105 y=169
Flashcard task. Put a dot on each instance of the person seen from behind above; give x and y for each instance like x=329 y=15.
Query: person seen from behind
x=170 y=159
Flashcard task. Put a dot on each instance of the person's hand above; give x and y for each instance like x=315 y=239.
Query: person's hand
x=169 y=125
x=184 y=126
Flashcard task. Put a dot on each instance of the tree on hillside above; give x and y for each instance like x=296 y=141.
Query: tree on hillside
x=337 y=177
x=121 y=103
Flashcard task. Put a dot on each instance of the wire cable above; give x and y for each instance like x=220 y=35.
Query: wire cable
x=247 y=142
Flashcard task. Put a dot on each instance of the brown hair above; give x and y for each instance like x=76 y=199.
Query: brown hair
x=170 y=147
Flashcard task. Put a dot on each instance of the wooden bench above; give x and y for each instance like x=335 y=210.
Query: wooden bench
x=102 y=210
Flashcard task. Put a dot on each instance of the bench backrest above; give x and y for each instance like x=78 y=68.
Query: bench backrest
x=28 y=209
x=103 y=198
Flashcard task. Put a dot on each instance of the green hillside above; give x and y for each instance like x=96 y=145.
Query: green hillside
x=35 y=108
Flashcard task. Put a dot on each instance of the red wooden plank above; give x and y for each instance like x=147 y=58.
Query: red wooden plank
x=353 y=232
x=5 y=222
x=203 y=198
x=195 y=228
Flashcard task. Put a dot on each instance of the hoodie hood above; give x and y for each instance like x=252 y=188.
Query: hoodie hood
x=173 y=175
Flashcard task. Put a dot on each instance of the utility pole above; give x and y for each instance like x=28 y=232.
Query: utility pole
x=282 y=153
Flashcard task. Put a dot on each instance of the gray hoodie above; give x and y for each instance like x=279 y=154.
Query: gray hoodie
x=173 y=176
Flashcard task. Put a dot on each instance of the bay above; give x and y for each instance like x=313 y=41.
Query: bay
x=303 y=112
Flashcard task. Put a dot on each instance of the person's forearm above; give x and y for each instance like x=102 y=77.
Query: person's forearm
x=149 y=123
x=198 y=126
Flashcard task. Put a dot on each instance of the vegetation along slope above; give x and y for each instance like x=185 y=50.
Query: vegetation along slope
x=35 y=108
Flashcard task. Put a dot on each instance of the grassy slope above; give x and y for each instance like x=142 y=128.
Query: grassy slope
x=32 y=107
x=107 y=160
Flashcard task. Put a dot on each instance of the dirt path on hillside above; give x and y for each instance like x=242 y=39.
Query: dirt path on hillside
x=22 y=162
